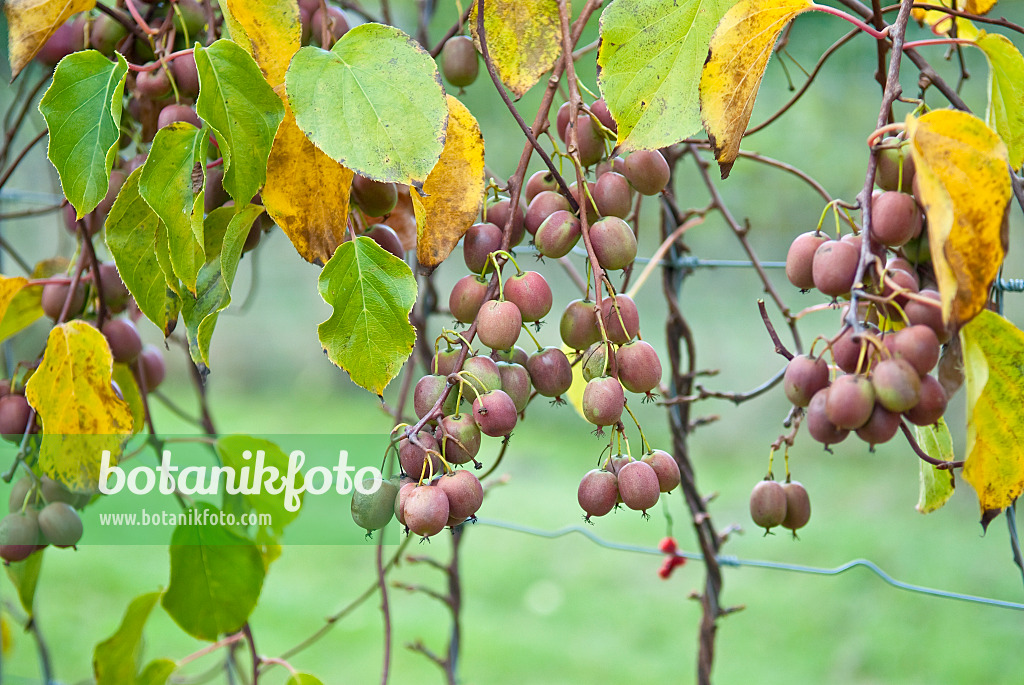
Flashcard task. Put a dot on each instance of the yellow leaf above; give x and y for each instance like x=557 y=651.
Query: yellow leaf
x=453 y=192
x=964 y=185
x=125 y=380
x=994 y=367
x=306 y=193
x=1005 y=113
x=269 y=31
x=9 y=287
x=30 y=23
x=524 y=39
x=80 y=413
x=737 y=57
x=936 y=484
x=979 y=6
x=575 y=392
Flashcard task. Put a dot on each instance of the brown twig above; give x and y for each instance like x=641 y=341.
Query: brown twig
x=454 y=30
x=779 y=347
x=21 y=155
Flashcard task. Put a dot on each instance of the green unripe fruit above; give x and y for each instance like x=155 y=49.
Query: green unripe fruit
x=459 y=61
x=19 y=535
x=60 y=524
x=375 y=510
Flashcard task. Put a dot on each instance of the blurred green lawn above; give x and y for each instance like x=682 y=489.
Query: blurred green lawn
x=556 y=611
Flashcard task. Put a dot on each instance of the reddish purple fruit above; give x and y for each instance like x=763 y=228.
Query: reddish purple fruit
x=498 y=214
x=153 y=84
x=124 y=340
x=337 y=25
x=638 y=366
x=541 y=207
x=600 y=110
x=919 y=346
x=54 y=296
x=515 y=381
x=482 y=373
x=498 y=324
x=60 y=525
x=665 y=467
x=768 y=504
x=428 y=390
x=465 y=494
x=804 y=377
x=648 y=171
x=931 y=405
x=927 y=314
x=818 y=424
x=495 y=413
x=550 y=371
x=881 y=427
x=443 y=361
x=578 y=326
x=895 y=218
x=426 y=510
x=14 y=415
x=800 y=259
x=375 y=198
x=851 y=399
x=385 y=236
x=479 y=242
x=614 y=243
x=621 y=318
x=174 y=113
x=466 y=298
x=892 y=174
x=897 y=384
x=413 y=456
x=115 y=293
x=186 y=75
x=590 y=140
x=835 y=267
x=19 y=535
x=558 y=234
x=598 y=492
x=531 y=293
x=151 y=361
x=798 y=506
x=638 y=485
x=459 y=437
x=538 y=183
x=612 y=195
x=603 y=401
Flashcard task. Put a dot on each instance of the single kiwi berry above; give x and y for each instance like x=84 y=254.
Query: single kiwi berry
x=578 y=325
x=639 y=487
x=595 y=362
x=927 y=314
x=834 y=268
x=514 y=355
x=612 y=195
x=480 y=241
x=818 y=423
x=892 y=173
x=443 y=361
x=538 y=183
x=499 y=213
x=459 y=437
x=768 y=504
x=550 y=372
x=621 y=318
x=498 y=324
x=385 y=236
x=174 y=113
x=153 y=368
x=881 y=427
x=186 y=74
x=426 y=510
x=375 y=510
x=466 y=298
x=482 y=373
x=562 y=120
x=598 y=492
x=152 y=84
x=585 y=200
x=600 y=110
x=124 y=340
x=897 y=385
x=495 y=413
x=798 y=506
x=55 y=294
x=851 y=399
x=14 y=416
x=531 y=294
x=639 y=368
x=614 y=243
x=413 y=456
x=665 y=467
x=59 y=524
x=932 y=404
x=919 y=346
x=847 y=351
x=895 y=218
x=464 y=491
x=106 y=33
x=648 y=171
x=515 y=381
x=20 y=492
x=541 y=207
x=603 y=401
x=459 y=61
x=590 y=140
x=115 y=293
x=405 y=489
x=69 y=37
x=800 y=259
x=19 y=535
x=375 y=198
x=558 y=234
x=803 y=378
x=428 y=390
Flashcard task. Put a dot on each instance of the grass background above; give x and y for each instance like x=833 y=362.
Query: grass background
x=553 y=611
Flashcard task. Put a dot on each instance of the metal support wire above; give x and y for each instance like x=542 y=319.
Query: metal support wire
x=728 y=560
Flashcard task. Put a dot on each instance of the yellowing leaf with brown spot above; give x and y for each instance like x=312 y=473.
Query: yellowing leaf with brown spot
x=964 y=184
x=80 y=413
x=268 y=30
x=306 y=193
x=524 y=39
x=994 y=367
x=453 y=192
x=30 y=23
x=737 y=57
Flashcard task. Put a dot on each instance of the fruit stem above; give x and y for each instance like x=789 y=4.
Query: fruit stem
x=771 y=461
x=645 y=446
x=526 y=328
x=508 y=255
x=462 y=373
x=493 y=258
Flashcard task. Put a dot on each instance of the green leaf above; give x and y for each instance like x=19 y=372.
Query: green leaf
x=24 y=575
x=1005 y=111
x=373 y=103
x=114 y=661
x=994 y=370
x=82 y=109
x=303 y=679
x=936 y=484
x=134 y=235
x=216 y=577
x=225 y=232
x=649 y=67
x=24 y=309
x=172 y=184
x=372 y=292
x=156 y=672
x=230 y=449
x=244 y=112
